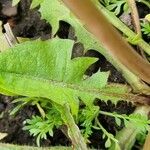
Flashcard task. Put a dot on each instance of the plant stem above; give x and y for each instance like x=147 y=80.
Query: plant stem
x=135 y=16
x=127 y=135
x=73 y=130
x=136 y=22
x=137 y=85
x=116 y=115
x=133 y=80
x=123 y=28
x=41 y=110
x=105 y=131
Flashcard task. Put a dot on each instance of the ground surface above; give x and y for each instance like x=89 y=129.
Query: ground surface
x=24 y=24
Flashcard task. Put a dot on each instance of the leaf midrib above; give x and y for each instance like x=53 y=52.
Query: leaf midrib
x=76 y=87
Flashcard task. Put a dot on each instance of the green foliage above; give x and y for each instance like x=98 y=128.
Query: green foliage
x=146 y=28
x=140 y=121
x=141 y=137
x=89 y=119
x=42 y=69
x=134 y=40
x=120 y=6
x=86 y=117
x=45 y=69
x=40 y=127
x=35 y=3
x=116 y=5
x=54 y=11
x=106 y=135
x=20 y=103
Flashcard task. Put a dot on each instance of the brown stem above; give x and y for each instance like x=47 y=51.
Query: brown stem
x=136 y=22
x=99 y=26
x=135 y=16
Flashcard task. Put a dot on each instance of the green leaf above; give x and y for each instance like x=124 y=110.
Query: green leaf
x=111 y=7
x=125 y=7
x=108 y=143
x=6 y=92
x=15 y=2
x=146 y=28
x=17 y=108
x=45 y=69
x=134 y=40
x=39 y=126
x=118 y=121
x=98 y=80
x=53 y=11
x=115 y=6
x=21 y=103
x=35 y=3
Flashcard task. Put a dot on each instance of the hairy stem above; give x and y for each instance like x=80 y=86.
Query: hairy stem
x=73 y=130
x=135 y=16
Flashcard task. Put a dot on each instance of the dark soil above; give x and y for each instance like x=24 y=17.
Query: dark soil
x=27 y=23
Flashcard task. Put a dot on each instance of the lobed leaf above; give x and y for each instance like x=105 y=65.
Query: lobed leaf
x=45 y=69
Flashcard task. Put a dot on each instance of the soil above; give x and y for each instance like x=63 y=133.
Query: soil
x=24 y=24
